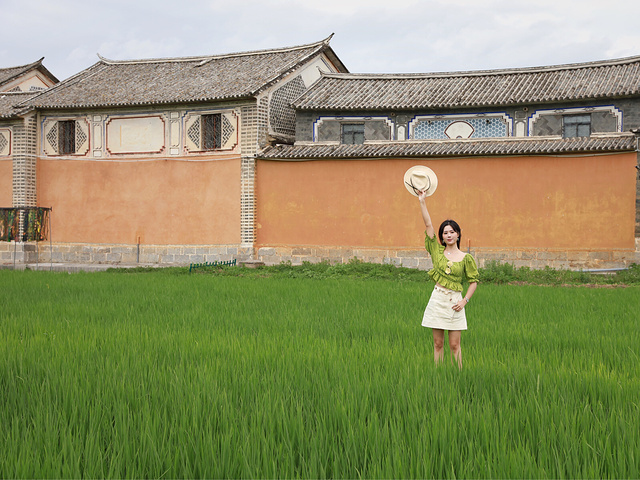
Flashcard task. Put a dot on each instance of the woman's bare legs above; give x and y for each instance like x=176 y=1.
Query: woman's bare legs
x=454 y=346
x=438 y=345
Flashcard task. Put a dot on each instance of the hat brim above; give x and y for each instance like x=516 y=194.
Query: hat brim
x=433 y=180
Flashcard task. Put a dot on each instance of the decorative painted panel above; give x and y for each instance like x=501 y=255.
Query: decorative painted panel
x=605 y=119
x=82 y=137
x=327 y=129
x=229 y=130
x=490 y=125
x=135 y=134
x=50 y=143
x=5 y=142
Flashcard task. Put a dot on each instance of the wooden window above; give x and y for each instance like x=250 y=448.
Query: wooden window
x=211 y=132
x=66 y=137
x=576 y=126
x=352 y=133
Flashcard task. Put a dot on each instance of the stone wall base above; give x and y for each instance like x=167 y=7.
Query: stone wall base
x=23 y=253
x=11 y=252
x=535 y=259
x=120 y=254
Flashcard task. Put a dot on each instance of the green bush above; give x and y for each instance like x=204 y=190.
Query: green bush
x=493 y=272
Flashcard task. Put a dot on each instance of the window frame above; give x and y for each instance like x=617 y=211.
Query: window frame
x=352 y=134
x=211 y=132
x=576 y=123
x=66 y=137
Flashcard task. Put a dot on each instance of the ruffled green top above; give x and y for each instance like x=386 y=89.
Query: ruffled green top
x=448 y=273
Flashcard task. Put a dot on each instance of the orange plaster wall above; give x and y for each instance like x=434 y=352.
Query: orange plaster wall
x=6 y=183
x=509 y=202
x=165 y=202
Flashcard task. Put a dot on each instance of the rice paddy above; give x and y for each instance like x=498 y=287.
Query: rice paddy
x=151 y=375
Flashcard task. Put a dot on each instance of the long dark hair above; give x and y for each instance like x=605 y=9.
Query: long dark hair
x=452 y=224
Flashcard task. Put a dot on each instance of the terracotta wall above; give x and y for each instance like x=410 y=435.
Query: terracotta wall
x=164 y=202
x=6 y=179
x=507 y=202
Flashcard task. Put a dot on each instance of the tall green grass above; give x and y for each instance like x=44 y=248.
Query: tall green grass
x=176 y=376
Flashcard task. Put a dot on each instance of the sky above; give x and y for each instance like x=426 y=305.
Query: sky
x=371 y=36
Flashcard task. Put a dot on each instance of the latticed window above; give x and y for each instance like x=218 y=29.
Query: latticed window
x=576 y=126
x=67 y=137
x=211 y=132
x=352 y=133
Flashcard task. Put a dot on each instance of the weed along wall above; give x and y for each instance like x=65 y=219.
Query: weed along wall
x=563 y=211
x=158 y=202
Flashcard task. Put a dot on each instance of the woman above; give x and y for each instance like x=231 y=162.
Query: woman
x=445 y=310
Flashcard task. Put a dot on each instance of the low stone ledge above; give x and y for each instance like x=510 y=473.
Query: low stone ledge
x=251 y=263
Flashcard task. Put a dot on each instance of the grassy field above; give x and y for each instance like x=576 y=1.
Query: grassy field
x=160 y=375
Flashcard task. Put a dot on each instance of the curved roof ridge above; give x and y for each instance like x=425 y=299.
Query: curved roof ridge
x=25 y=66
x=499 y=71
x=206 y=58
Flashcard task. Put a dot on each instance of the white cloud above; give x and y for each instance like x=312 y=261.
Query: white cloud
x=370 y=35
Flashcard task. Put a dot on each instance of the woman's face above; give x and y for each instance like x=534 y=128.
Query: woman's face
x=449 y=235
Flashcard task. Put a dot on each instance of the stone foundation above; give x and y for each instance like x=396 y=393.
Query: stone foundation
x=120 y=254
x=18 y=253
x=535 y=259
x=23 y=253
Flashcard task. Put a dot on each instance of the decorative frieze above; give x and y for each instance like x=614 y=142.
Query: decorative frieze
x=455 y=126
x=175 y=132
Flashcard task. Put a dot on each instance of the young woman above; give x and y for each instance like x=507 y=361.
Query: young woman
x=445 y=310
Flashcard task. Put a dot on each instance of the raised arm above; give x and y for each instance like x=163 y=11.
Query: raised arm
x=425 y=214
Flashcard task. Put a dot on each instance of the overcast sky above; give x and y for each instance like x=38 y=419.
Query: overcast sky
x=371 y=36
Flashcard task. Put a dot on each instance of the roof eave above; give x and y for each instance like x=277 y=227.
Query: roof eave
x=239 y=98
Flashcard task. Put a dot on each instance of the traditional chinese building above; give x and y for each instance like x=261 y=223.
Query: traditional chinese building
x=536 y=164
x=282 y=155
x=154 y=160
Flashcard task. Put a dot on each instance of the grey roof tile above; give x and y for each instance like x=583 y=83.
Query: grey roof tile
x=9 y=99
x=10 y=73
x=177 y=80
x=592 y=80
x=454 y=148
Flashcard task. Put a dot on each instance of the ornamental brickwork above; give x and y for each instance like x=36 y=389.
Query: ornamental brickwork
x=24 y=163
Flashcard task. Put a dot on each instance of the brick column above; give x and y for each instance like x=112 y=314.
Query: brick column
x=253 y=136
x=24 y=163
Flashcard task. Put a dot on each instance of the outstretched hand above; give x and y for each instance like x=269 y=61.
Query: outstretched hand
x=422 y=194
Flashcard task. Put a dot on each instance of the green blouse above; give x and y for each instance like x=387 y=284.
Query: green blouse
x=465 y=268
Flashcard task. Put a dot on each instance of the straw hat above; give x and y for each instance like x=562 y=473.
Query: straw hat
x=420 y=178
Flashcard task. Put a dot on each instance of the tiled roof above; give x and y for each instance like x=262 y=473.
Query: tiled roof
x=612 y=78
x=8 y=100
x=178 y=80
x=454 y=148
x=8 y=74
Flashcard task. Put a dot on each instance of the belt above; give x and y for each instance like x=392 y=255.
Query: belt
x=442 y=289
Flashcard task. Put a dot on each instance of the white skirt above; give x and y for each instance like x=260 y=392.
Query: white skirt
x=439 y=312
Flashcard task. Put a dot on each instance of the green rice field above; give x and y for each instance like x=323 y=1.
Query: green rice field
x=157 y=375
